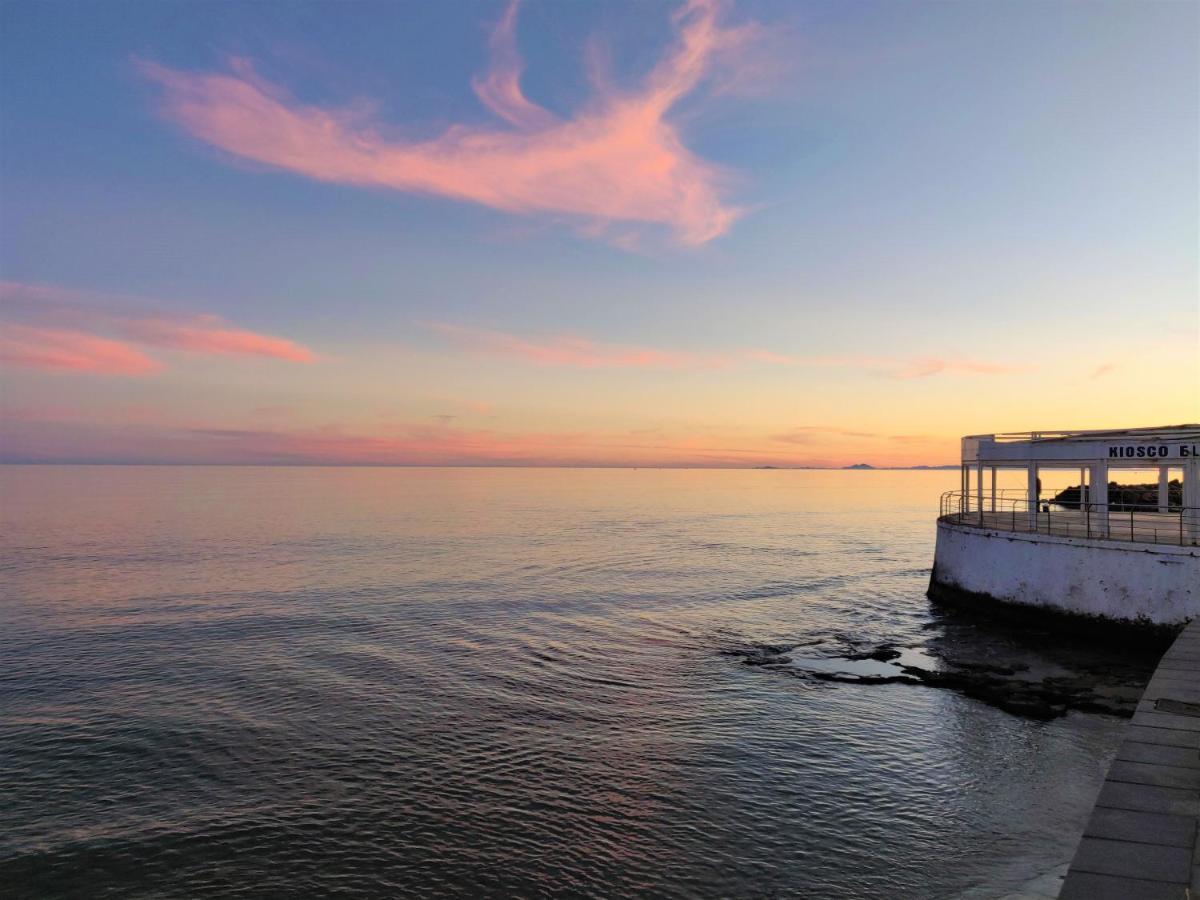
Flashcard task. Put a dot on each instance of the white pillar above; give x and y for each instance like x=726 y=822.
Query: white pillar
x=1191 y=501
x=979 y=489
x=993 y=505
x=1082 y=487
x=964 y=489
x=1099 y=499
x=1031 y=493
x=1164 y=488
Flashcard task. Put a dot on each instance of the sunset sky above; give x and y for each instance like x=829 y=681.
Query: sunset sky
x=715 y=234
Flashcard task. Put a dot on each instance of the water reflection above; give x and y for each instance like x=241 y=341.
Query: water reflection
x=255 y=681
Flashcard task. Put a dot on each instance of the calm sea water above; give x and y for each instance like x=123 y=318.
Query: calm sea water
x=237 y=682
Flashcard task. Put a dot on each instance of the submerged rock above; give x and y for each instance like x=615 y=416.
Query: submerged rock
x=761 y=654
x=767 y=660
x=847 y=678
x=882 y=653
x=1021 y=672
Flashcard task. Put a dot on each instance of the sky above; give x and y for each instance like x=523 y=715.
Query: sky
x=740 y=233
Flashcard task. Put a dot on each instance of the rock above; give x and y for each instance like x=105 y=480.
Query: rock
x=1024 y=673
x=1032 y=709
x=766 y=660
x=983 y=667
x=882 y=653
x=862 y=679
x=1124 y=497
x=758 y=650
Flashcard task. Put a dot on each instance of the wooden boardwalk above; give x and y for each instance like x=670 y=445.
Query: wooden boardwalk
x=1140 y=841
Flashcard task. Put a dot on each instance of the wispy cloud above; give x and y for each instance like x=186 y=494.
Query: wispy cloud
x=99 y=432
x=808 y=434
x=617 y=159
x=35 y=347
x=209 y=335
x=45 y=438
x=50 y=327
x=500 y=88
x=1103 y=369
x=576 y=351
x=926 y=366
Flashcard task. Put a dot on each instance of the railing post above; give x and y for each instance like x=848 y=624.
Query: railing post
x=1032 y=494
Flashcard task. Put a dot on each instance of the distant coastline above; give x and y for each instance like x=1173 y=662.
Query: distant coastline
x=865 y=467
x=332 y=464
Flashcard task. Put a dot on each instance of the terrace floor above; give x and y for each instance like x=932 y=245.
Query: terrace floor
x=1140 y=527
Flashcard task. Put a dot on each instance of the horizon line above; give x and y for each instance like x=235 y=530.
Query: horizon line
x=856 y=467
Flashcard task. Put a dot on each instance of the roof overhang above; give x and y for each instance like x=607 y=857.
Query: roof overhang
x=1131 y=447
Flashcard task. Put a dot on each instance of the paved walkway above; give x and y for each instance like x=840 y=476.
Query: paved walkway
x=1141 y=839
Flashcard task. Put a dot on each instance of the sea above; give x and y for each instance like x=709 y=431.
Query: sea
x=500 y=682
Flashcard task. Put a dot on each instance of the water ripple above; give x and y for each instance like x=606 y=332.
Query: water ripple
x=494 y=683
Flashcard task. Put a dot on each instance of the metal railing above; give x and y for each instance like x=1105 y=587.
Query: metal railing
x=1121 y=498
x=1140 y=523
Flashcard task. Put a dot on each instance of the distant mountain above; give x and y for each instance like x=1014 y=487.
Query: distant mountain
x=863 y=467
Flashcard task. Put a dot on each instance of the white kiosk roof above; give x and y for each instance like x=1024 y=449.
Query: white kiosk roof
x=1172 y=445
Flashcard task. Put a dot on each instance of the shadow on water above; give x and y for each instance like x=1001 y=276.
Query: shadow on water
x=1030 y=670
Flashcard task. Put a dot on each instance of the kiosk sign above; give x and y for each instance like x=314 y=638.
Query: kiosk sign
x=1154 y=451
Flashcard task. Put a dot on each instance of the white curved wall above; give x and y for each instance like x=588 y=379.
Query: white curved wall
x=1111 y=579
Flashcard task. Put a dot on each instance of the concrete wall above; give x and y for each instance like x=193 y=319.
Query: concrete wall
x=1109 y=579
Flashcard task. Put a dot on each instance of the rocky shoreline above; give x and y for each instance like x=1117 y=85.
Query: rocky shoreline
x=1126 y=497
x=1023 y=672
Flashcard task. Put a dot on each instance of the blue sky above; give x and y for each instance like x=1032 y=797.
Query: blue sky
x=1006 y=189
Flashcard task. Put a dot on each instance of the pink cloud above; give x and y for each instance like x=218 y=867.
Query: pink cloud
x=128 y=434
x=52 y=327
x=617 y=159
x=72 y=351
x=207 y=334
x=500 y=88
x=768 y=356
x=442 y=443
x=479 y=407
x=807 y=434
x=575 y=352
x=894 y=367
x=926 y=366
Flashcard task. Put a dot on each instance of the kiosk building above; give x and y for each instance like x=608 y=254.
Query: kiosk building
x=1094 y=551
